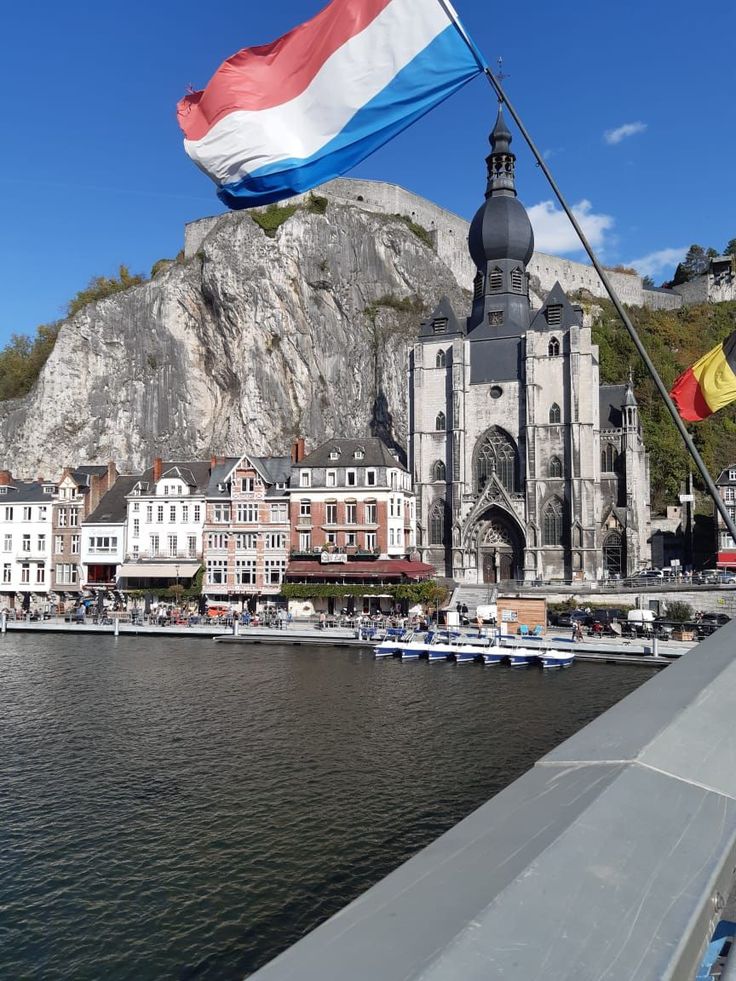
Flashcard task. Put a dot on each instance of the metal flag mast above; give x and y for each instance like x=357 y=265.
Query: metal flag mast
x=495 y=83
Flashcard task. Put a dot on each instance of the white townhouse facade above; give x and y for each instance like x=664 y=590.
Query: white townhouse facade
x=166 y=509
x=25 y=538
x=103 y=534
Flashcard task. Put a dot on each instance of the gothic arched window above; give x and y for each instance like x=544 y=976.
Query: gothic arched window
x=552 y=522
x=440 y=423
x=554 y=413
x=609 y=458
x=555 y=467
x=553 y=349
x=437 y=523
x=439 y=471
x=613 y=553
x=495 y=281
x=441 y=359
x=517 y=281
x=496 y=453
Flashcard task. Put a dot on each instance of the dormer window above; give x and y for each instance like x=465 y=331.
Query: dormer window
x=439 y=326
x=732 y=474
x=553 y=315
x=334 y=454
x=553 y=350
x=495 y=281
x=48 y=488
x=305 y=478
x=359 y=454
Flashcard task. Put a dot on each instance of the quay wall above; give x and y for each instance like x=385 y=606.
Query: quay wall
x=721 y=600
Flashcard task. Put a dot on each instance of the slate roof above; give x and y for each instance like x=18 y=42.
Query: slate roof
x=443 y=311
x=723 y=477
x=195 y=473
x=377 y=454
x=113 y=506
x=571 y=316
x=612 y=398
x=25 y=492
x=220 y=474
x=273 y=469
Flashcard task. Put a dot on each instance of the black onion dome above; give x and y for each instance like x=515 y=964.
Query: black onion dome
x=501 y=230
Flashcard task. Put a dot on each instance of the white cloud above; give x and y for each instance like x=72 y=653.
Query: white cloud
x=553 y=232
x=658 y=262
x=613 y=136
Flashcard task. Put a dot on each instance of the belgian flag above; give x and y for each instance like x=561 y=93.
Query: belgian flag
x=709 y=384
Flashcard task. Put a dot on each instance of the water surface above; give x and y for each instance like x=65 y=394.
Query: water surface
x=180 y=809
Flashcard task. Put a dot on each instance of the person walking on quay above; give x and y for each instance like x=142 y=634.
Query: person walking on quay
x=322 y=620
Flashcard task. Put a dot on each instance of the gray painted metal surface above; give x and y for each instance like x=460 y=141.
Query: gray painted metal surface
x=610 y=859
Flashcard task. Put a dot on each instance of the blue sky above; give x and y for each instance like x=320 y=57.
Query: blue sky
x=633 y=104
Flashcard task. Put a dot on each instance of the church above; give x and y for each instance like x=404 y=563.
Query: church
x=525 y=466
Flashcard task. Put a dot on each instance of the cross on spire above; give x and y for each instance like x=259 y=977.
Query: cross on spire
x=500 y=74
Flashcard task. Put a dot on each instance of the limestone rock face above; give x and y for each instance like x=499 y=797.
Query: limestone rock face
x=243 y=346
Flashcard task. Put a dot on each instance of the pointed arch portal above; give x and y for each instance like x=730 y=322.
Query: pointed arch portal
x=500 y=547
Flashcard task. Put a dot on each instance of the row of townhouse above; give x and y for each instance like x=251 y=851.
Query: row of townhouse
x=250 y=522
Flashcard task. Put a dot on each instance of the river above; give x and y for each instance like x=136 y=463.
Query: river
x=180 y=809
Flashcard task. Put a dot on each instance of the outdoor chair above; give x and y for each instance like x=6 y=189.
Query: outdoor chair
x=538 y=630
x=523 y=630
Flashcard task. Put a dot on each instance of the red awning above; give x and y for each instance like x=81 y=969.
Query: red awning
x=726 y=559
x=380 y=569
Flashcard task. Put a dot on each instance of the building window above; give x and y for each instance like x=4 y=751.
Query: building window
x=246 y=542
x=185 y=514
x=245 y=572
x=221 y=514
x=553 y=315
x=359 y=454
x=75 y=544
x=330 y=538
x=26 y=546
x=154 y=545
x=331 y=513
x=105 y=544
x=8 y=514
x=305 y=509
x=371 y=513
x=552 y=522
x=439 y=470
x=331 y=478
x=613 y=553
x=729 y=494
x=136 y=528
x=305 y=478
x=305 y=541
x=609 y=458
x=275 y=541
x=173 y=545
x=370 y=478
x=172 y=514
x=441 y=360
x=192 y=545
x=437 y=524
x=351 y=478
x=61 y=518
x=7 y=569
x=495 y=281
x=497 y=454
x=370 y=541
x=440 y=422
x=217 y=541
x=334 y=454
x=40 y=573
x=553 y=348
x=439 y=326
x=160 y=514
x=351 y=513
x=554 y=414
x=247 y=514
x=274 y=570
x=25 y=573
x=732 y=474
x=555 y=467
x=197 y=513
x=495 y=318
x=149 y=513
x=8 y=542
x=279 y=513
x=517 y=281
x=26 y=514
x=351 y=539
x=217 y=572
x=247 y=485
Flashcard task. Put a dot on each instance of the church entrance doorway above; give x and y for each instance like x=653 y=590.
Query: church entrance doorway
x=613 y=554
x=500 y=547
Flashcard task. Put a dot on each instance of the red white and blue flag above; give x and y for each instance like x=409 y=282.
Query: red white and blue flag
x=279 y=119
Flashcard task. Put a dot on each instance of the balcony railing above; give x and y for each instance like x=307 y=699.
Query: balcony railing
x=164 y=555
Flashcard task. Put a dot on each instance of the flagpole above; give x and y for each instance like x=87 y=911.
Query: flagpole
x=718 y=501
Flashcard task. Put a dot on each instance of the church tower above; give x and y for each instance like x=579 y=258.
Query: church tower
x=504 y=419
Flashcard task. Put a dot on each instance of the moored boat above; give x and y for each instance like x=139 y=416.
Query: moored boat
x=494 y=655
x=556 y=659
x=466 y=653
x=521 y=657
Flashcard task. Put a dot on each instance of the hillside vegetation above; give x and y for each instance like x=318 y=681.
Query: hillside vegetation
x=675 y=339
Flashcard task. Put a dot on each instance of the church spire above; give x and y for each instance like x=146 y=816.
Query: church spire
x=500 y=160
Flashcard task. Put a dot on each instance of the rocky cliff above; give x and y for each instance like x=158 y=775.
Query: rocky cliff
x=254 y=339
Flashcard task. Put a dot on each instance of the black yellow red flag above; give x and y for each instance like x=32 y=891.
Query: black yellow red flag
x=709 y=384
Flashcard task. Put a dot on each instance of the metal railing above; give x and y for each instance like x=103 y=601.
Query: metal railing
x=611 y=859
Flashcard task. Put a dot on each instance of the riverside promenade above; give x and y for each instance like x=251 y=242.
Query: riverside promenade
x=604 y=649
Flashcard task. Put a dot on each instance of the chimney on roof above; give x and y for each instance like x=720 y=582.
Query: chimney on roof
x=297 y=450
x=213 y=463
x=112 y=473
x=157 y=469
x=6 y=478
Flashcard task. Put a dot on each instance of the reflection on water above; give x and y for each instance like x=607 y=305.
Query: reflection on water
x=180 y=809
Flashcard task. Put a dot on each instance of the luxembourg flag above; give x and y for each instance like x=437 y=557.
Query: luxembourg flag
x=279 y=119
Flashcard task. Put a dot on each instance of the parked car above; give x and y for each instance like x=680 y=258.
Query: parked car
x=569 y=617
x=643 y=577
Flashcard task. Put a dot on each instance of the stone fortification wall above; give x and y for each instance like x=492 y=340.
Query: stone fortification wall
x=659 y=300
